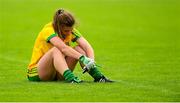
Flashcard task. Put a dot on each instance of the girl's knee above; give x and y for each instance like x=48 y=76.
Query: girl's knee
x=55 y=51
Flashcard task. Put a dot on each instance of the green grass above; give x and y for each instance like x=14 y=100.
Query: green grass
x=136 y=41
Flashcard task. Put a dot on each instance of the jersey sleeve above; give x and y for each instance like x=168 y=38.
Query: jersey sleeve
x=48 y=34
x=76 y=35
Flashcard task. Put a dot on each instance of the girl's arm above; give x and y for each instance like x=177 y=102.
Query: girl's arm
x=66 y=50
x=84 y=44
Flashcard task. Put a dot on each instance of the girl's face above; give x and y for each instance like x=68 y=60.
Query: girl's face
x=65 y=30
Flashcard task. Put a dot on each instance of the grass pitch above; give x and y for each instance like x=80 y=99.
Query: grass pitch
x=136 y=41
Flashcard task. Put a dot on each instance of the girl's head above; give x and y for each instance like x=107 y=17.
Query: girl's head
x=63 y=22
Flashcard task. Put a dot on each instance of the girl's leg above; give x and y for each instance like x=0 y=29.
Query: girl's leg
x=94 y=72
x=53 y=61
x=71 y=62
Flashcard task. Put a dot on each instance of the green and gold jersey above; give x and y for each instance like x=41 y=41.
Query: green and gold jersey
x=42 y=44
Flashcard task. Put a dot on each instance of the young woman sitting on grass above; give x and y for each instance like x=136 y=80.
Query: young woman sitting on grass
x=53 y=56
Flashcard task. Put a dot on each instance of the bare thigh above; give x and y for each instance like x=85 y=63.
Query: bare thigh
x=52 y=63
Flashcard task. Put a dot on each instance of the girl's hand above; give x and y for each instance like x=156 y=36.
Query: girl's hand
x=87 y=67
x=85 y=60
x=88 y=62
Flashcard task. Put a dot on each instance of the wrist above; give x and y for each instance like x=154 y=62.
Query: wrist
x=81 y=58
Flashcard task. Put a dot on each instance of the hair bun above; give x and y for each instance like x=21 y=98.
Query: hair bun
x=60 y=11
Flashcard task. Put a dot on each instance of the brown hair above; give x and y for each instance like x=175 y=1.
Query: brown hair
x=62 y=18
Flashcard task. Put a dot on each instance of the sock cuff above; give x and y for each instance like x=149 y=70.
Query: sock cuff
x=68 y=75
x=66 y=72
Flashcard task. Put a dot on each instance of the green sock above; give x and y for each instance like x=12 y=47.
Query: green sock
x=95 y=73
x=68 y=75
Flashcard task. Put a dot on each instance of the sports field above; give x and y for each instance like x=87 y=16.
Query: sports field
x=137 y=42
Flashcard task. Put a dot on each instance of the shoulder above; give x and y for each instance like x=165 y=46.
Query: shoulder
x=76 y=32
x=48 y=29
x=48 y=25
x=76 y=35
x=48 y=32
